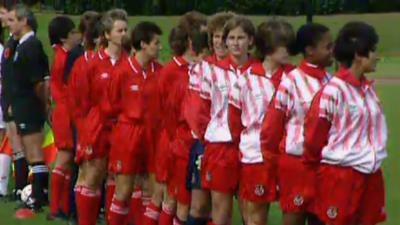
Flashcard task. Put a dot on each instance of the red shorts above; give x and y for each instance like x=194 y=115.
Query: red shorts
x=62 y=129
x=292 y=175
x=129 y=149
x=220 y=167
x=255 y=185
x=177 y=182
x=96 y=135
x=163 y=155
x=100 y=148
x=346 y=196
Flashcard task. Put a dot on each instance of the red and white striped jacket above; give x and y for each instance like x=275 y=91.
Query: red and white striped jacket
x=347 y=119
x=225 y=123
x=283 y=128
x=257 y=88
x=198 y=98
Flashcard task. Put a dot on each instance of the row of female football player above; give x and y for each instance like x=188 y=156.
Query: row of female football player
x=177 y=142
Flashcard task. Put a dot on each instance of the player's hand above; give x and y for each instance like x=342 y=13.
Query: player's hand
x=49 y=112
x=198 y=162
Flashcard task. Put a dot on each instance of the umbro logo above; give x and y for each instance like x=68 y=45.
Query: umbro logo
x=134 y=87
x=104 y=75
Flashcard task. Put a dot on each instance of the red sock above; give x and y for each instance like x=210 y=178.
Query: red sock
x=211 y=223
x=88 y=206
x=166 y=216
x=135 y=206
x=77 y=191
x=66 y=191
x=118 y=213
x=151 y=215
x=57 y=183
x=110 y=188
x=145 y=203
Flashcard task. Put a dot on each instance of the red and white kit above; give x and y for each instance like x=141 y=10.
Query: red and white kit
x=257 y=88
x=78 y=98
x=221 y=165
x=197 y=100
x=99 y=121
x=346 y=137
x=131 y=139
x=283 y=129
x=173 y=88
x=61 y=117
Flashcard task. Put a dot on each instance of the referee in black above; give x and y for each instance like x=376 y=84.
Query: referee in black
x=29 y=96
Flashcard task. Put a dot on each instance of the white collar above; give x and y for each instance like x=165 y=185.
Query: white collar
x=26 y=37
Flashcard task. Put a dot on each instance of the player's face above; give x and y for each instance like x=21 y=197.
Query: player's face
x=238 y=42
x=74 y=38
x=368 y=64
x=323 y=51
x=280 y=55
x=219 y=45
x=117 y=32
x=14 y=24
x=4 y=17
x=153 y=48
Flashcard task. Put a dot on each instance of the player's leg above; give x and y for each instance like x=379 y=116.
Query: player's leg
x=32 y=143
x=61 y=174
x=110 y=190
x=60 y=178
x=168 y=209
x=200 y=206
x=221 y=207
x=20 y=163
x=221 y=173
x=89 y=197
x=257 y=213
x=159 y=178
x=119 y=207
x=153 y=210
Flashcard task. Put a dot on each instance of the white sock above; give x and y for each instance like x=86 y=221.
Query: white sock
x=5 y=166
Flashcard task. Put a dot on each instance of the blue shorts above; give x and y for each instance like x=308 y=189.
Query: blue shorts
x=193 y=180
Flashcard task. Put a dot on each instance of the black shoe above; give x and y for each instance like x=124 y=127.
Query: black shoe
x=59 y=216
x=3 y=198
x=20 y=205
x=101 y=219
x=73 y=220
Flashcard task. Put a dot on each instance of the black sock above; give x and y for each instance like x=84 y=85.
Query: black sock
x=21 y=171
x=40 y=184
x=196 y=220
x=312 y=219
x=180 y=221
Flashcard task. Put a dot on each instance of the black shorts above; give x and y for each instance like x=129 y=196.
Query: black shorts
x=193 y=180
x=4 y=108
x=29 y=115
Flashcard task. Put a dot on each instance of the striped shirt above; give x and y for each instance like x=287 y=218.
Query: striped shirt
x=198 y=98
x=224 y=125
x=283 y=126
x=357 y=133
x=256 y=91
